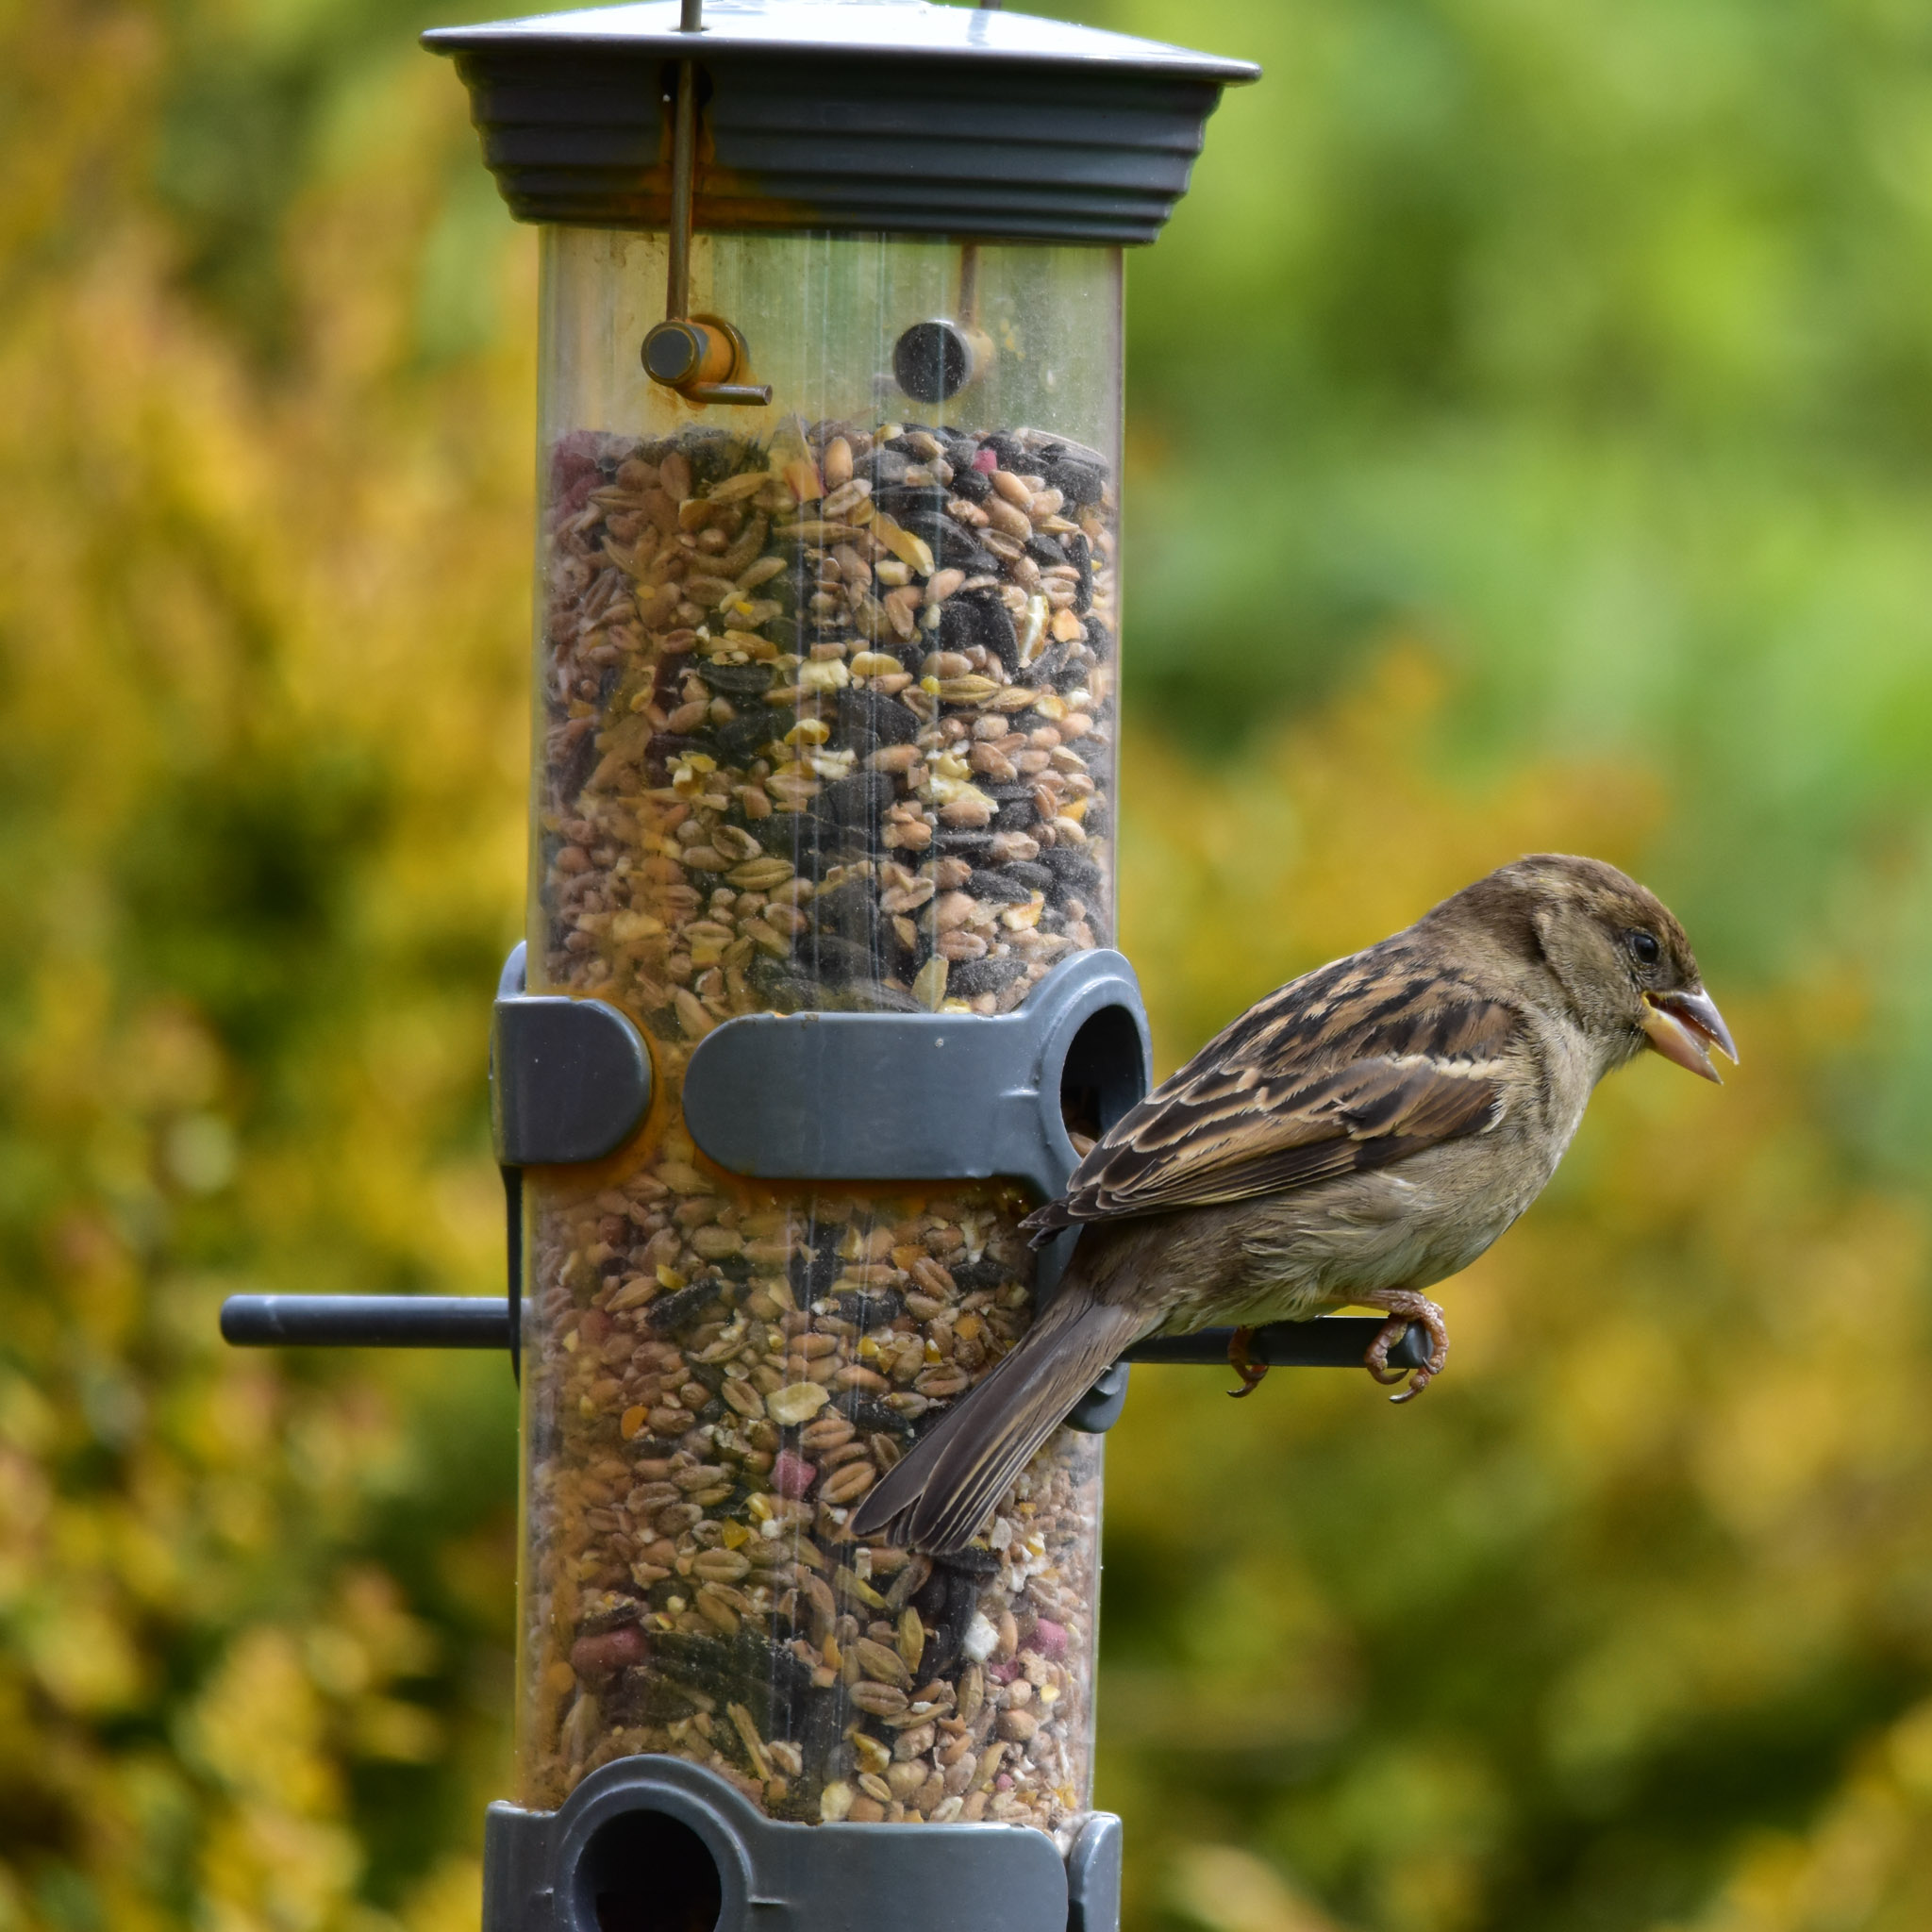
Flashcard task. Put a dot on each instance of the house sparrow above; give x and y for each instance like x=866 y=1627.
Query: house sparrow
x=1359 y=1136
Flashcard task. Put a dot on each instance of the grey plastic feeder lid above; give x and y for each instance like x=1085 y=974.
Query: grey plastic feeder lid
x=852 y=116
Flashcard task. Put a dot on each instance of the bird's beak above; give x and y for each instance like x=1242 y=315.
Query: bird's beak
x=1683 y=1027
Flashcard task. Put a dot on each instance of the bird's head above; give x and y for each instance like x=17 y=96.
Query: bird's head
x=1623 y=961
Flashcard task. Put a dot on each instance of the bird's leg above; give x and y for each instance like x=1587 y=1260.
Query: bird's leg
x=1404 y=1305
x=1243 y=1364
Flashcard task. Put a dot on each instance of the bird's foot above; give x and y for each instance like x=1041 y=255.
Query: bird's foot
x=1404 y=1306
x=1243 y=1364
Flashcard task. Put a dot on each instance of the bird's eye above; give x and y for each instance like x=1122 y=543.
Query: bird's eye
x=1644 y=948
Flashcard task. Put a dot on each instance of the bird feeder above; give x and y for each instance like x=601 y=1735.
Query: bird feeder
x=819 y=995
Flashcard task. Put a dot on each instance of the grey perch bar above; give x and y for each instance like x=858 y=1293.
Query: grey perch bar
x=366 y=1321
x=450 y=1321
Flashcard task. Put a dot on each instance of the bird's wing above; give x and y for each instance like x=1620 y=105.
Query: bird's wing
x=1355 y=1065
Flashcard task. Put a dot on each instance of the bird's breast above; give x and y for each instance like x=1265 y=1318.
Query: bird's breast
x=1287 y=1257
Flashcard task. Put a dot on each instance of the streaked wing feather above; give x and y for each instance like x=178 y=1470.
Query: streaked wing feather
x=1355 y=1066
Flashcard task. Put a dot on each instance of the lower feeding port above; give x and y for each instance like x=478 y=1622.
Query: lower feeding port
x=646 y=1872
x=656 y=1846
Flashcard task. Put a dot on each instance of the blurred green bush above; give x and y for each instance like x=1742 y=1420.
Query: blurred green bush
x=1530 y=425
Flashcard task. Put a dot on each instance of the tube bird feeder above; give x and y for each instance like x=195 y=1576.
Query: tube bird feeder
x=819 y=993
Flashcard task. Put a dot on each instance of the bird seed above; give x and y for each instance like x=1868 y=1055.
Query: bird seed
x=826 y=723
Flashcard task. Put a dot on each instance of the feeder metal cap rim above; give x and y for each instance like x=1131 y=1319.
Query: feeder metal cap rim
x=888 y=29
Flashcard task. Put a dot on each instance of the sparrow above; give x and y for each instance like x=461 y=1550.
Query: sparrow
x=1360 y=1135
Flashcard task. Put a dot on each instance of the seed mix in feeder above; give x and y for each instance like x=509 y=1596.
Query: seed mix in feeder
x=828 y=722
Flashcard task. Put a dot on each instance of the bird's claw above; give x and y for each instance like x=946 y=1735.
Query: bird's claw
x=1403 y=1310
x=1243 y=1364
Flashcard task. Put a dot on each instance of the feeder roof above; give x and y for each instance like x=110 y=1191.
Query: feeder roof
x=887 y=116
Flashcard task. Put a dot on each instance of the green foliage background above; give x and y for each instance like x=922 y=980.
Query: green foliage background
x=1531 y=415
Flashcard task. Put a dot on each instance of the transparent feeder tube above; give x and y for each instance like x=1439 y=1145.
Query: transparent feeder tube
x=824 y=720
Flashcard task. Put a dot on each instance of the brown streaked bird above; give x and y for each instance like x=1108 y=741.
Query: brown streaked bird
x=1359 y=1136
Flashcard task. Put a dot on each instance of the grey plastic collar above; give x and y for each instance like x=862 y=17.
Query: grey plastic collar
x=1093 y=1876
x=570 y=1079
x=832 y=1096
x=543 y=1871
x=838 y=1096
x=921 y=1096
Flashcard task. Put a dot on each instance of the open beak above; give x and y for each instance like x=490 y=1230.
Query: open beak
x=1683 y=1027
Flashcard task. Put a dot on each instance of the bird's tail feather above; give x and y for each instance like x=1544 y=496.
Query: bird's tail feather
x=1045 y=1223
x=954 y=1478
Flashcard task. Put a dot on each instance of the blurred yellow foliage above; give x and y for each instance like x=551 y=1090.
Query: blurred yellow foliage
x=1227 y=1890
x=262 y=719
x=1322 y=835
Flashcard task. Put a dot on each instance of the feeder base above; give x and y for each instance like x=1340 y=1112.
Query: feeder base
x=653 y=1845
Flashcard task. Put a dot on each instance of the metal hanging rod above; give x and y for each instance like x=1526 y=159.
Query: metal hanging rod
x=697 y=355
